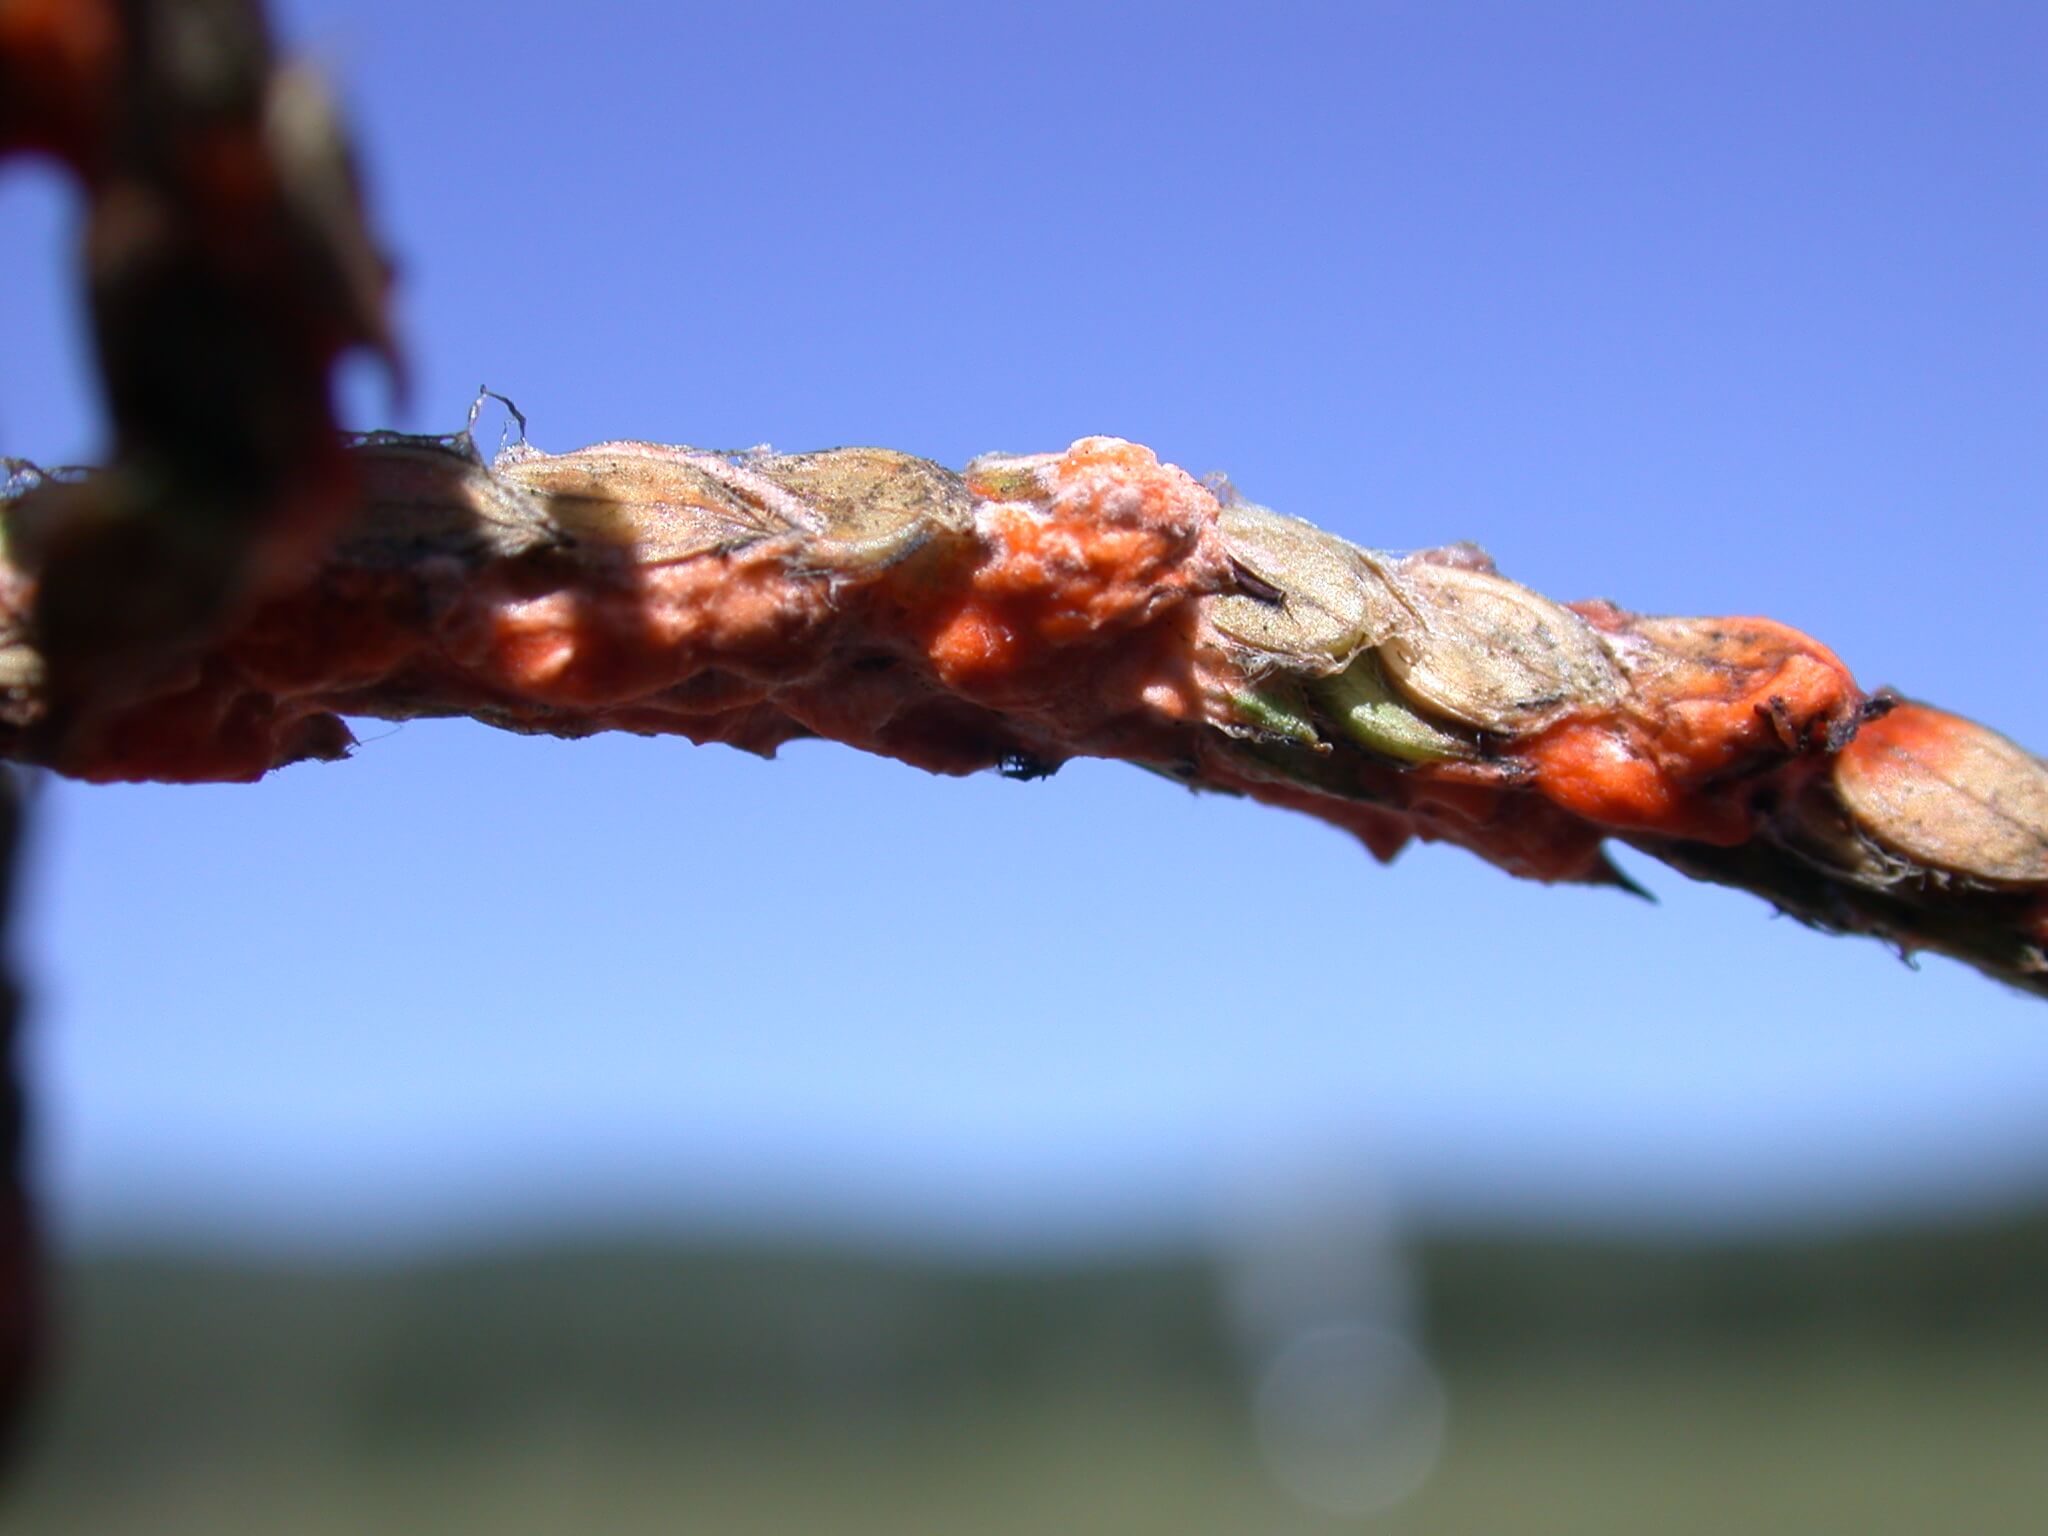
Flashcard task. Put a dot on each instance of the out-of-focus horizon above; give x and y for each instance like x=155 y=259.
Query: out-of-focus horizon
x=1731 y=310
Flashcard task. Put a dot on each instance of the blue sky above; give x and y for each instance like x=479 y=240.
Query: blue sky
x=1707 y=309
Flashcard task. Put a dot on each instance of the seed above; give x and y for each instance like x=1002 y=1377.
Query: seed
x=423 y=493
x=872 y=506
x=1948 y=793
x=664 y=504
x=1490 y=653
x=1322 y=599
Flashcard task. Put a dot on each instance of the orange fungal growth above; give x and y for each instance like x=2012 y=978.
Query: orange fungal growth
x=1706 y=698
x=1081 y=547
x=1603 y=771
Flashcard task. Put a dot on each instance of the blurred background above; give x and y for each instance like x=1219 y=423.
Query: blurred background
x=499 y=1134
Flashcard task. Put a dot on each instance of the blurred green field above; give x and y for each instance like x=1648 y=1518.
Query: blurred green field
x=1887 y=1385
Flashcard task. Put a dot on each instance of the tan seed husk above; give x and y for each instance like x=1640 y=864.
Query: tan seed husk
x=1327 y=598
x=1490 y=653
x=663 y=504
x=872 y=506
x=1950 y=794
x=428 y=493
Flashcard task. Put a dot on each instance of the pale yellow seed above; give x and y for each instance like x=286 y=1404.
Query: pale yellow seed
x=1490 y=653
x=1328 y=599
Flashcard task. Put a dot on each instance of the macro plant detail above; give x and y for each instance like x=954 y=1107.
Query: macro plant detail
x=241 y=577
x=1095 y=602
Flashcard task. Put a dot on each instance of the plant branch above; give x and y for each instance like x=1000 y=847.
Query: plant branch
x=1092 y=603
